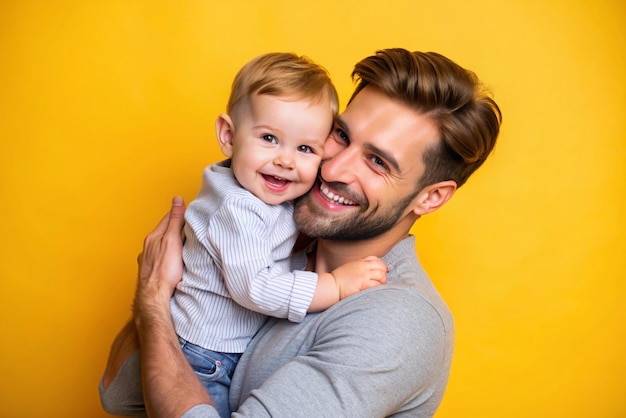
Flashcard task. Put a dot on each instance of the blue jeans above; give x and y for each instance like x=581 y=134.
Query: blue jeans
x=214 y=371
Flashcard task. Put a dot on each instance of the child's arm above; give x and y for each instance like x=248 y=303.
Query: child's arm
x=347 y=280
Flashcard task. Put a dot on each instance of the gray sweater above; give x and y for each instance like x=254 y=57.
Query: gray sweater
x=381 y=352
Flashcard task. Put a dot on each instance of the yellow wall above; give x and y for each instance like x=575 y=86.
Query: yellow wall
x=107 y=110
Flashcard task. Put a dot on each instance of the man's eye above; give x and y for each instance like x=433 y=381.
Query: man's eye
x=270 y=138
x=342 y=135
x=378 y=162
x=305 y=148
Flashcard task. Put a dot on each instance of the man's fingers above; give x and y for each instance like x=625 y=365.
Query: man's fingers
x=176 y=218
x=172 y=221
x=178 y=207
x=161 y=227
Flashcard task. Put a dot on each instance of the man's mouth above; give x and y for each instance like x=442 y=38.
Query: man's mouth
x=325 y=191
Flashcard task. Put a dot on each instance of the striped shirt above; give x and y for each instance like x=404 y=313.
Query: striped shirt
x=238 y=268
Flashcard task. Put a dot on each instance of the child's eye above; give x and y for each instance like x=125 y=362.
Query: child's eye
x=305 y=148
x=270 y=138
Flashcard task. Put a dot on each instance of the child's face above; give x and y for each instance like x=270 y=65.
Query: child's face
x=277 y=146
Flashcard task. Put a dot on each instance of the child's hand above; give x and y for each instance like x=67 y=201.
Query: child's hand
x=358 y=275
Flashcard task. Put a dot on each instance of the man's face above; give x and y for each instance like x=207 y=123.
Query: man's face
x=370 y=170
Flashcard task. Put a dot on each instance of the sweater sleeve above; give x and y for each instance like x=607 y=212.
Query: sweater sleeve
x=201 y=411
x=124 y=394
x=376 y=358
x=253 y=251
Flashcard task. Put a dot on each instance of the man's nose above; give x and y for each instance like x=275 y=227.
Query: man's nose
x=340 y=167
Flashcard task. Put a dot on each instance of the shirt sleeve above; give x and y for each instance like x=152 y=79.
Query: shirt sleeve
x=240 y=234
x=368 y=360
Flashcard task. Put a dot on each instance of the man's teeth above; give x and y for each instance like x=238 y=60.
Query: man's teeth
x=339 y=199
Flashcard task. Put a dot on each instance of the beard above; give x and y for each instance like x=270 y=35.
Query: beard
x=315 y=222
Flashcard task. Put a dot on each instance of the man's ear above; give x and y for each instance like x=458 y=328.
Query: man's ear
x=432 y=197
x=225 y=132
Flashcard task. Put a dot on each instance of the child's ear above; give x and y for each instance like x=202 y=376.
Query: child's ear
x=433 y=197
x=225 y=132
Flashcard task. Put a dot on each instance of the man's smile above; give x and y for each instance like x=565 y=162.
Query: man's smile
x=325 y=191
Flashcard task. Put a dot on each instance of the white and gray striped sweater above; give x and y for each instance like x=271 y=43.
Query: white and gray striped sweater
x=237 y=266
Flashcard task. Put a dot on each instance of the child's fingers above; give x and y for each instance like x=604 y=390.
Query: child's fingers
x=376 y=263
x=378 y=274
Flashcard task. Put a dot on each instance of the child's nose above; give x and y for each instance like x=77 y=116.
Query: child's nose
x=285 y=159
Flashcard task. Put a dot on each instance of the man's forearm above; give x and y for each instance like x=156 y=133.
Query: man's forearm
x=170 y=385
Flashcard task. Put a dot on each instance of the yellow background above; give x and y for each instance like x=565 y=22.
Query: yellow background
x=107 y=110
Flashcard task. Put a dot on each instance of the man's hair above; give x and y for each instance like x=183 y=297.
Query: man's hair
x=283 y=75
x=467 y=117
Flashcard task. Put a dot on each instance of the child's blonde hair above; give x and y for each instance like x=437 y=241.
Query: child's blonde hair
x=282 y=74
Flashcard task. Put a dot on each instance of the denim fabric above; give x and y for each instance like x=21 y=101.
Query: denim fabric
x=214 y=371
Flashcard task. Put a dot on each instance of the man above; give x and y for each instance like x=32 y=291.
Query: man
x=414 y=130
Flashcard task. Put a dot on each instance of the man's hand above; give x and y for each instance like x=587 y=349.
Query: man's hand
x=358 y=275
x=161 y=261
x=170 y=386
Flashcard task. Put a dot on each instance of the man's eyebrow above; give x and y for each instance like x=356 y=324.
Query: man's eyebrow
x=373 y=148
x=342 y=124
x=384 y=154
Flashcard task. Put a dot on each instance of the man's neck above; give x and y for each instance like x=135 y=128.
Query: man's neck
x=331 y=254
